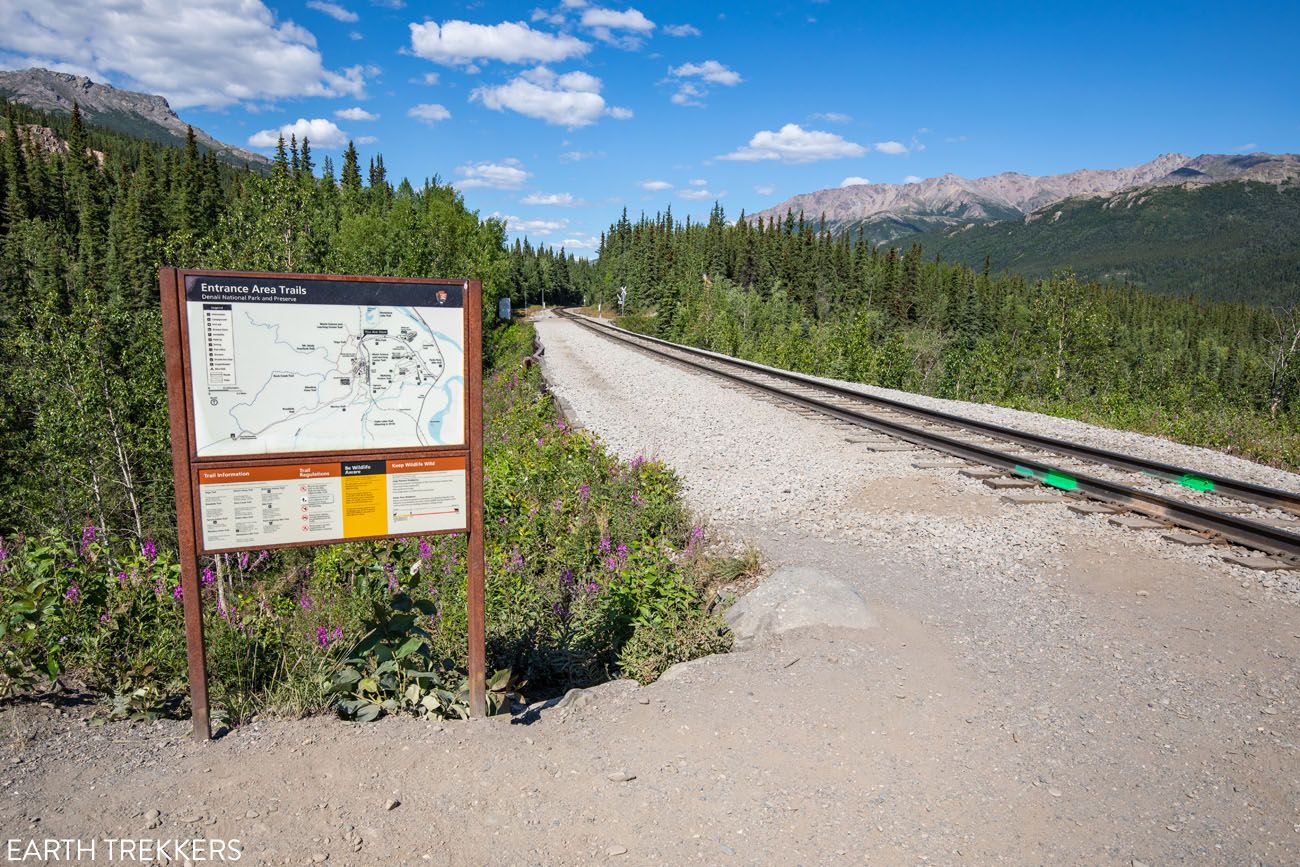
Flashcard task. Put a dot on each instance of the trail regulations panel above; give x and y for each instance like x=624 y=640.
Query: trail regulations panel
x=281 y=365
x=270 y=505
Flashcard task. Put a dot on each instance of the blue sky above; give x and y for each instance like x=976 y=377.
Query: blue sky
x=557 y=116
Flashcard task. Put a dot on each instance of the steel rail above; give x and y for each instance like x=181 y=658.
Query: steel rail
x=1233 y=528
x=1274 y=498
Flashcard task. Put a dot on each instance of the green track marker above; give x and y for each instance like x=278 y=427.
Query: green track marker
x=1061 y=481
x=1196 y=483
x=1050 y=478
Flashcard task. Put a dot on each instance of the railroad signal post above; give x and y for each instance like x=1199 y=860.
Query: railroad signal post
x=309 y=409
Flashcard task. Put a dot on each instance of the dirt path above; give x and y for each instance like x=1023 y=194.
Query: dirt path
x=1075 y=696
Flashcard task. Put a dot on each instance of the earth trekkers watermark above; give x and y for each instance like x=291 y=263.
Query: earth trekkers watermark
x=121 y=850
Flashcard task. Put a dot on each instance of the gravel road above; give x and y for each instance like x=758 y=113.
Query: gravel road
x=1039 y=688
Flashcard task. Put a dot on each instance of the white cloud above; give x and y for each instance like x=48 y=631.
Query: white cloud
x=1246 y=148
x=890 y=147
x=579 y=156
x=912 y=179
x=954 y=139
x=628 y=19
x=333 y=10
x=574 y=4
x=460 y=43
x=429 y=112
x=322 y=133
x=210 y=53
x=355 y=36
x=571 y=100
x=689 y=94
x=620 y=113
x=698 y=182
x=508 y=174
x=559 y=200
x=697 y=194
x=854 y=181
x=366 y=139
x=765 y=189
x=794 y=144
x=533 y=227
x=832 y=117
x=710 y=70
x=681 y=30
x=355 y=113
x=655 y=186
x=626 y=29
x=580 y=242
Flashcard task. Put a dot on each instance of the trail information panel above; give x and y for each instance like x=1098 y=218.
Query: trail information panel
x=308 y=409
x=286 y=504
x=284 y=365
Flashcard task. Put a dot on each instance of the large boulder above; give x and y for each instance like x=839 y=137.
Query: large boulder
x=797 y=597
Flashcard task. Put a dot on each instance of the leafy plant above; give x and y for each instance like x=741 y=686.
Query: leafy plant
x=391 y=671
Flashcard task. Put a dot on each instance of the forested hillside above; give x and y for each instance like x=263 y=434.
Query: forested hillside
x=1231 y=241
x=1218 y=374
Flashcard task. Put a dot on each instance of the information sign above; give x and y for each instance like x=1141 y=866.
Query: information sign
x=308 y=409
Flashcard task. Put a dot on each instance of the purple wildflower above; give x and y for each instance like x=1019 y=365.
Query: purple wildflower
x=559 y=505
x=121 y=578
x=636 y=498
x=304 y=601
x=637 y=463
x=566 y=578
x=150 y=550
x=391 y=572
x=88 y=536
x=611 y=563
x=584 y=491
x=592 y=587
x=426 y=550
x=103 y=618
x=73 y=593
x=621 y=550
x=208 y=578
x=541 y=441
x=604 y=545
x=243 y=561
x=177 y=592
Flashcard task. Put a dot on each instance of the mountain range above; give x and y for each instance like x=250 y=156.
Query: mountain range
x=889 y=212
x=141 y=115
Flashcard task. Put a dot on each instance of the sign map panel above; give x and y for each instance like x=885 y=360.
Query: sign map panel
x=282 y=365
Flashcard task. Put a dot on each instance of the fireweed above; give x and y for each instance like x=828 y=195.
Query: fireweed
x=594 y=570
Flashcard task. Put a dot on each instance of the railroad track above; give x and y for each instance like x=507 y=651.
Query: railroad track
x=1208 y=509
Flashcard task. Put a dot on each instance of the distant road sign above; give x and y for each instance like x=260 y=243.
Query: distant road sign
x=503 y=308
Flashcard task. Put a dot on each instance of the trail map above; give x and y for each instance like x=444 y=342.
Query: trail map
x=319 y=365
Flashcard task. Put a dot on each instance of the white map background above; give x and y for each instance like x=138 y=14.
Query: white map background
x=328 y=377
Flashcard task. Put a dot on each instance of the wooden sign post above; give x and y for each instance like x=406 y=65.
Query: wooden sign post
x=308 y=409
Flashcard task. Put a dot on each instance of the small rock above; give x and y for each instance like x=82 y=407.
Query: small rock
x=1055 y=793
x=642 y=700
x=620 y=777
x=392 y=804
x=616 y=850
x=152 y=819
x=252 y=814
x=319 y=858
